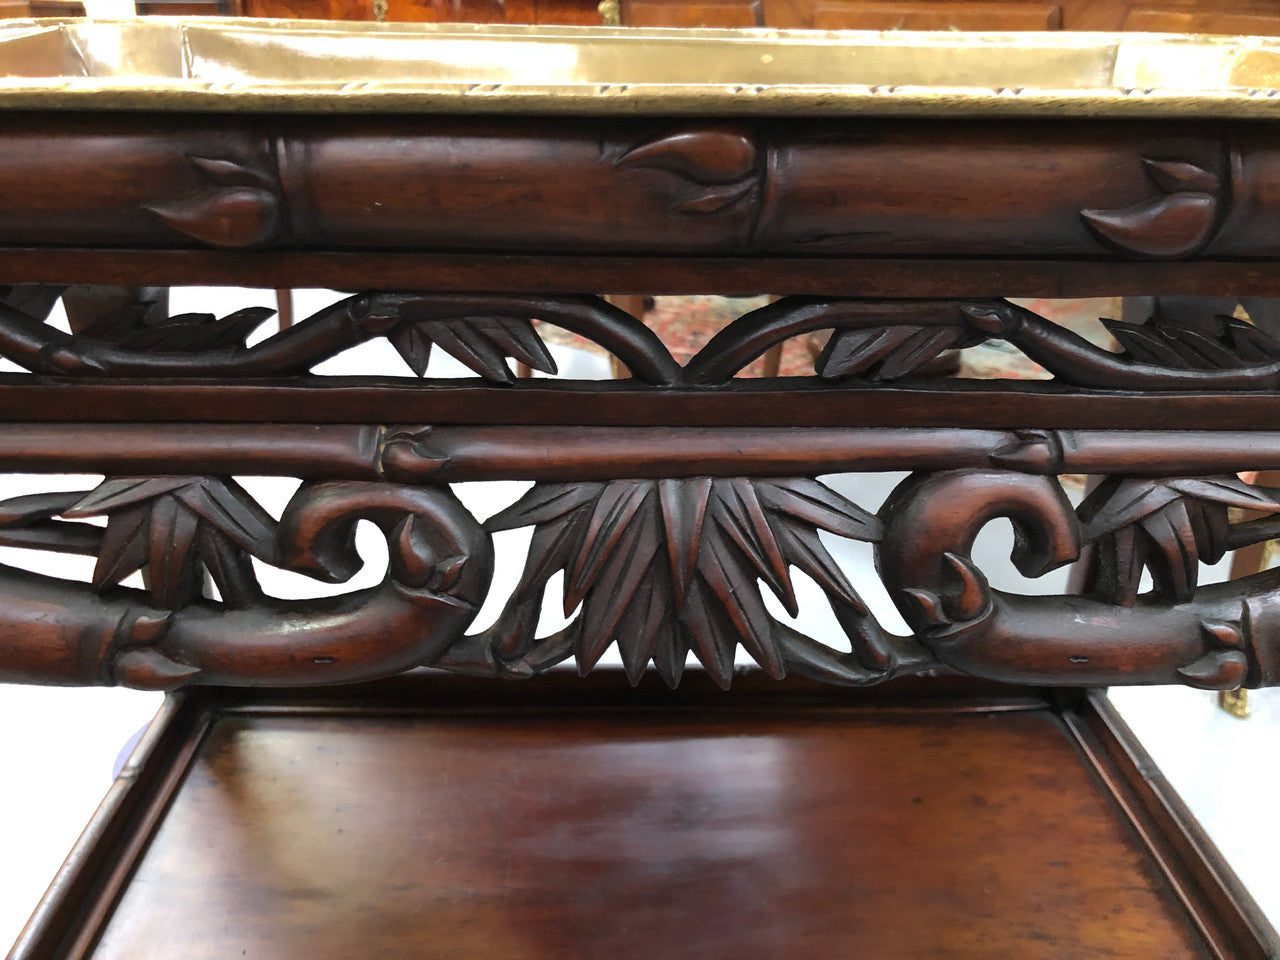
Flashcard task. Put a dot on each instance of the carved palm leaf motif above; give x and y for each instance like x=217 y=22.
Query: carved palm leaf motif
x=662 y=567
x=480 y=331
x=482 y=344
x=175 y=526
x=1215 y=343
x=1166 y=526
x=181 y=333
x=29 y=521
x=877 y=340
x=889 y=352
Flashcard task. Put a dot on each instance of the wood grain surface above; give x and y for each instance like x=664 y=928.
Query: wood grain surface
x=1033 y=189
x=631 y=835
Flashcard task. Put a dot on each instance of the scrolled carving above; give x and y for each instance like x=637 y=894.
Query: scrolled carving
x=169 y=634
x=1218 y=637
x=874 y=341
x=479 y=331
x=882 y=340
x=661 y=568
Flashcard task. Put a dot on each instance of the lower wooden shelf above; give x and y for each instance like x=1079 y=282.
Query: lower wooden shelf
x=566 y=818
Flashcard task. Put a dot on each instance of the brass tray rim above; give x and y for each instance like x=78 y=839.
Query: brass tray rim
x=262 y=65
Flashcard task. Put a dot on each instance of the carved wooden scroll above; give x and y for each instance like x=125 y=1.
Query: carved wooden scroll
x=480 y=332
x=671 y=541
x=178 y=529
x=662 y=567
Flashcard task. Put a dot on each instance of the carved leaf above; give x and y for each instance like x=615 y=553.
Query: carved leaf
x=611 y=517
x=1178 y=176
x=647 y=622
x=1218 y=343
x=684 y=507
x=1170 y=226
x=1248 y=342
x=231 y=216
x=1217 y=670
x=412 y=345
x=889 y=352
x=241 y=207
x=171 y=563
x=744 y=524
x=117 y=492
x=28 y=521
x=725 y=571
x=481 y=343
x=703 y=156
x=716 y=198
x=605 y=610
x=182 y=333
x=232 y=172
x=1167 y=526
x=226 y=508
x=543 y=503
x=810 y=502
x=719 y=164
x=1175 y=224
x=173 y=526
x=124 y=546
x=664 y=567
x=805 y=551
x=550 y=550
x=710 y=634
x=230 y=569
x=36 y=300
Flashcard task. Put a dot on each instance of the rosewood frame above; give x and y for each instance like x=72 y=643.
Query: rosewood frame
x=671 y=501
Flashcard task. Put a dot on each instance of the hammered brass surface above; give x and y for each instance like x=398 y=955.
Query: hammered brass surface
x=311 y=66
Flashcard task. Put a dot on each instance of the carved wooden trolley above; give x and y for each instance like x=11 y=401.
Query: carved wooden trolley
x=463 y=182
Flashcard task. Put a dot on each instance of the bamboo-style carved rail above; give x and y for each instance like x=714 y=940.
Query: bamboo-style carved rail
x=667 y=540
x=780 y=185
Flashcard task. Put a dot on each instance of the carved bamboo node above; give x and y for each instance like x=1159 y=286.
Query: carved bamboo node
x=659 y=567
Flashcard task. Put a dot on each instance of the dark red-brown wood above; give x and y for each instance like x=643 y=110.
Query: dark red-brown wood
x=999 y=189
x=483 y=819
x=558 y=818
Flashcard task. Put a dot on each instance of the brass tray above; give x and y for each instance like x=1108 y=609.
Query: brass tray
x=165 y=63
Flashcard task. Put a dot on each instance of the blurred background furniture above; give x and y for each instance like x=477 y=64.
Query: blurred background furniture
x=1258 y=17
x=1162 y=16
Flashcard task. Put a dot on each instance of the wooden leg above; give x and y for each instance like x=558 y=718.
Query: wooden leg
x=284 y=308
x=773 y=361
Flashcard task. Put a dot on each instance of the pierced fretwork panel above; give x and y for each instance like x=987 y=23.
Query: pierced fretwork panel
x=866 y=341
x=663 y=568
